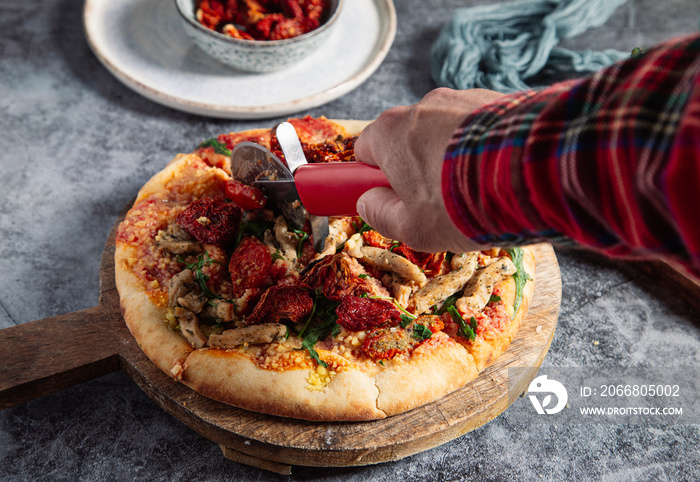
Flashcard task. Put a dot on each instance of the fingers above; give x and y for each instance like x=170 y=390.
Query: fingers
x=381 y=208
x=428 y=231
x=373 y=143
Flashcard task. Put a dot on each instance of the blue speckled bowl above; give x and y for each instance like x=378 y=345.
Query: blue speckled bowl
x=255 y=55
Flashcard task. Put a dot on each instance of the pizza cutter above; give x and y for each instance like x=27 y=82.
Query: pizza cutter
x=327 y=189
x=299 y=189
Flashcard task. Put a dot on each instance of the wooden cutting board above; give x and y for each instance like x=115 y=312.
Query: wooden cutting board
x=54 y=353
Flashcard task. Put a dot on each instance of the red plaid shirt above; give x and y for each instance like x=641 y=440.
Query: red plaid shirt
x=611 y=161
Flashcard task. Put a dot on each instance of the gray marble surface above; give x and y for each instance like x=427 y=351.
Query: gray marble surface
x=76 y=145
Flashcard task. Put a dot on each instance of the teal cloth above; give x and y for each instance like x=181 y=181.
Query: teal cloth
x=500 y=46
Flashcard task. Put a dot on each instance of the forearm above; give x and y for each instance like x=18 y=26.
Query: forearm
x=611 y=161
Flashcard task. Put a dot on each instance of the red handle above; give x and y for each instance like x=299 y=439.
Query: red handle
x=333 y=189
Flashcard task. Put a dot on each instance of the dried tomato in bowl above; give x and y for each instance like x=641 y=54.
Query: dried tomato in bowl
x=262 y=19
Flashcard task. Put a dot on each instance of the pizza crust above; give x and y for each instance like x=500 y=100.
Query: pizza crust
x=353 y=127
x=411 y=384
x=486 y=351
x=231 y=378
x=145 y=320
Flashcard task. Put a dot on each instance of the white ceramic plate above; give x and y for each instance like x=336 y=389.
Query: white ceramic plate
x=143 y=44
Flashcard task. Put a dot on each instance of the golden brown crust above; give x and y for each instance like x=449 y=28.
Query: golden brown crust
x=486 y=351
x=423 y=379
x=353 y=393
x=145 y=320
x=232 y=378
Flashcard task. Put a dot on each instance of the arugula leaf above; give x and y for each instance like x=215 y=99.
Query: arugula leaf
x=449 y=301
x=405 y=321
x=520 y=277
x=364 y=227
x=308 y=345
x=320 y=323
x=303 y=236
x=473 y=324
x=465 y=331
x=219 y=148
x=421 y=332
x=202 y=260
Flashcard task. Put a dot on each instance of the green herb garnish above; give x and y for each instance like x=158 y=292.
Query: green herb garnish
x=202 y=260
x=421 y=332
x=405 y=321
x=303 y=236
x=319 y=324
x=219 y=148
x=494 y=299
x=520 y=277
x=465 y=331
x=277 y=255
x=473 y=323
x=449 y=301
x=365 y=227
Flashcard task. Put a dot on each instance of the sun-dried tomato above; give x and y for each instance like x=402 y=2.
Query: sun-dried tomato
x=339 y=150
x=211 y=221
x=287 y=28
x=338 y=276
x=330 y=151
x=430 y=263
x=357 y=314
x=250 y=265
x=246 y=197
x=262 y=19
x=210 y=13
x=314 y=9
x=373 y=238
x=262 y=29
x=282 y=303
x=291 y=8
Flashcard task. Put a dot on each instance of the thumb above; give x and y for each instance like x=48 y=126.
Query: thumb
x=381 y=208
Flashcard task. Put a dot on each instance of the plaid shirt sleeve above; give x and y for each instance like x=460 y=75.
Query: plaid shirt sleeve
x=611 y=161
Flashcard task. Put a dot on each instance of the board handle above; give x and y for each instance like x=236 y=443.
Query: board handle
x=48 y=355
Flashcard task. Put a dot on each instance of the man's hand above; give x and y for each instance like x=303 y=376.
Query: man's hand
x=408 y=143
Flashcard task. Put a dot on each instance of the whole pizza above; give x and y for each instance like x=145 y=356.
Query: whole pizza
x=225 y=295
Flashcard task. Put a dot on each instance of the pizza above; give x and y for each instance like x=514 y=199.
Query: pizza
x=223 y=294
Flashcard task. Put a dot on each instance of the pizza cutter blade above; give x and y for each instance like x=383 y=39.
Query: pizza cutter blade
x=294 y=154
x=254 y=165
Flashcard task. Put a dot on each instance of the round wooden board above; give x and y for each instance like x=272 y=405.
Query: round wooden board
x=55 y=353
x=259 y=439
